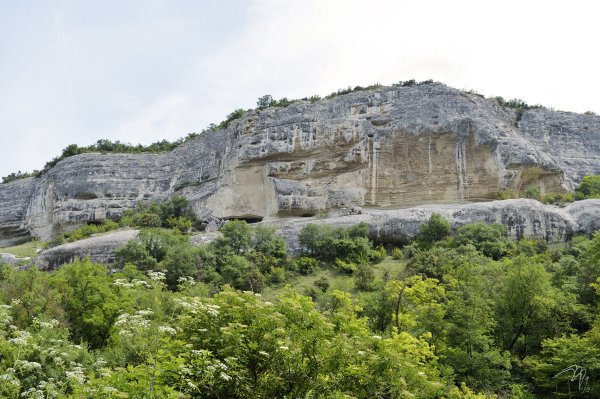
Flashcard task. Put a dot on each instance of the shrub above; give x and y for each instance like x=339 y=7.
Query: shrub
x=322 y=283
x=149 y=248
x=506 y=194
x=237 y=238
x=589 y=187
x=305 y=265
x=435 y=229
x=265 y=102
x=345 y=267
x=364 y=277
x=397 y=254
x=84 y=232
x=174 y=213
x=532 y=192
x=19 y=175
x=329 y=243
x=377 y=255
x=490 y=239
x=277 y=275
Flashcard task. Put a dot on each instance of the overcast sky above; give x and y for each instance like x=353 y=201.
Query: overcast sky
x=140 y=71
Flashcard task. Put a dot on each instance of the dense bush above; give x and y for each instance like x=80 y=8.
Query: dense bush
x=84 y=231
x=19 y=175
x=175 y=213
x=472 y=311
x=589 y=187
x=435 y=229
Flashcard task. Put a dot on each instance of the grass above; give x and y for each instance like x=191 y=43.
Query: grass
x=337 y=280
x=27 y=250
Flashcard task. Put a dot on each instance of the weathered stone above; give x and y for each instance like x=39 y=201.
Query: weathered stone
x=522 y=217
x=388 y=148
x=204 y=238
x=100 y=249
x=10 y=259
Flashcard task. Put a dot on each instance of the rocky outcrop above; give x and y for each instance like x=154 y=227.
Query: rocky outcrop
x=522 y=217
x=10 y=259
x=391 y=147
x=100 y=249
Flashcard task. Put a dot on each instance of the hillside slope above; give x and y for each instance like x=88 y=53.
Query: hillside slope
x=391 y=147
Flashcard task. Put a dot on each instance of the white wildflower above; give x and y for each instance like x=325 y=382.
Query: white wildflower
x=121 y=282
x=145 y=312
x=167 y=330
x=156 y=276
x=225 y=376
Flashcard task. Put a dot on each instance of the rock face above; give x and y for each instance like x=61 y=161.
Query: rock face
x=392 y=147
x=100 y=249
x=522 y=217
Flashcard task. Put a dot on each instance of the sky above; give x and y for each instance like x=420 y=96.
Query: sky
x=141 y=71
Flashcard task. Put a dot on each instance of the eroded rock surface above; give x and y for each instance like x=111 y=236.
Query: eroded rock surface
x=522 y=217
x=392 y=147
x=100 y=249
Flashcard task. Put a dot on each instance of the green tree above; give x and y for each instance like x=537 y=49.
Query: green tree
x=435 y=229
x=490 y=239
x=589 y=187
x=265 y=102
x=92 y=304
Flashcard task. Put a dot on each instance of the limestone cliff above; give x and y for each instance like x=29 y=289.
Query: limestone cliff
x=386 y=148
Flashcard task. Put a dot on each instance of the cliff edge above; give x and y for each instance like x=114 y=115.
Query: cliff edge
x=387 y=148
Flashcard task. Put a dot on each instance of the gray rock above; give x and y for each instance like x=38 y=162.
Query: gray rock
x=389 y=148
x=204 y=238
x=522 y=217
x=10 y=259
x=100 y=249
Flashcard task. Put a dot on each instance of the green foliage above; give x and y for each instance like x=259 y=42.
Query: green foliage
x=175 y=213
x=236 y=114
x=107 y=146
x=532 y=192
x=517 y=104
x=237 y=238
x=84 y=231
x=19 y=175
x=589 y=187
x=330 y=243
x=471 y=315
x=149 y=248
x=490 y=239
x=322 y=283
x=264 y=102
x=397 y=253
x=305 y=265
x=364 y=277
x=350 y=89
x=91 y=304
x=435 y=229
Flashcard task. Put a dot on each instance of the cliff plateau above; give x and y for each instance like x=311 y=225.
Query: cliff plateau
x=387 y=148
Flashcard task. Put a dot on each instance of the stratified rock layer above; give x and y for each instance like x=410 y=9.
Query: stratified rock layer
x=391 y=147
x=522 y=217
